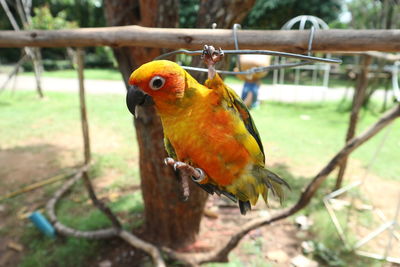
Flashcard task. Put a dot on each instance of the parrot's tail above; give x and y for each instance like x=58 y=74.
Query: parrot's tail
x=267 y=180
x=274 y=183
x=259 y=181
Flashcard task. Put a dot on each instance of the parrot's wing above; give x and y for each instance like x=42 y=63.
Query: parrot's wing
x=237 y=104
x=246 y=117
x=169 y=148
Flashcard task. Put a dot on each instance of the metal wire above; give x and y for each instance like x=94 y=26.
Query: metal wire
x=235 y=39
x=252 y=52
x=395 y=80
x=253 y=70
x=308 y=59
x=310 y=40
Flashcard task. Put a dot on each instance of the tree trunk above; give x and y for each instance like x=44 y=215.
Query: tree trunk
x=168 y=220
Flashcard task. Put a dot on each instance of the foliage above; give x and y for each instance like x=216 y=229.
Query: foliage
x=44 y=20
x=375 y=14
x=87 y=13
x=101 y=57
x=272 y=14
x=188 y=10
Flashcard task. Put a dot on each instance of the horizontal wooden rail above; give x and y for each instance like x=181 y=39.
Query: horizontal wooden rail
x=289 y=41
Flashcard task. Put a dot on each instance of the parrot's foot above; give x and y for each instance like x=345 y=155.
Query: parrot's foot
x=185 y=169
x=210 y=57
x=185 y=172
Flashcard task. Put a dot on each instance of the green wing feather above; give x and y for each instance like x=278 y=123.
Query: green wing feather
x=246 y=117
x=169 y=148
x=235 y=102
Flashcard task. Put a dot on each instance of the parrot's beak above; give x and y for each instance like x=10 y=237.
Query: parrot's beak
x=135 y=97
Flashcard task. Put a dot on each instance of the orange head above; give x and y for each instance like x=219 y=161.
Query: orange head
x=163 y=80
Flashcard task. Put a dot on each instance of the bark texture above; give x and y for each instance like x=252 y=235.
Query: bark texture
x=168 y=220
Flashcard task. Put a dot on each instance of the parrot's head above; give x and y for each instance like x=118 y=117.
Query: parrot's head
x=162 y=81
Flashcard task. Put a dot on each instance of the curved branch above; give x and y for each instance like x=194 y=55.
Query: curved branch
x=221 y=254
x=97 y=234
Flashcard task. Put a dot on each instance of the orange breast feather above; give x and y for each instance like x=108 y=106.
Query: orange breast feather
x=212 y=144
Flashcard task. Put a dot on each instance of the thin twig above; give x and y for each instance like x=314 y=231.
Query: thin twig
x=36 y=185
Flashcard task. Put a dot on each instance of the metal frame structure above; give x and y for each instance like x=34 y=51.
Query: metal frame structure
x=386 y=224
x=317 y=23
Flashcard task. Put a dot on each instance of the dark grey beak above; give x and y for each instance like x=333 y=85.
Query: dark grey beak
x=136 y=97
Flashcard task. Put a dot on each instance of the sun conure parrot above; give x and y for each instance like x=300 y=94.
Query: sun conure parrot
x=207 y=127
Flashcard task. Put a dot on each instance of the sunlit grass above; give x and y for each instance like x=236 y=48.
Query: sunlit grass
x=299 y=134
x=95 y=74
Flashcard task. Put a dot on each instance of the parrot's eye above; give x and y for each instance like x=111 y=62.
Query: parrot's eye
x=156 y=82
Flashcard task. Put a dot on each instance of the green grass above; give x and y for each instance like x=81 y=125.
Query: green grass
x=315 y=141
x=23 y=117
x=114 y=74
x=95 y=74
x=286 y=135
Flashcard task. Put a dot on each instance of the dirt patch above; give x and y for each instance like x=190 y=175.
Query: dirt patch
x=374 y=204
x=20 y=167
x=34 y=160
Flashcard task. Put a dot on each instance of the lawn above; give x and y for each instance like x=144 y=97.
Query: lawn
x=114 y=74
x=298 y=138
x=95 y=74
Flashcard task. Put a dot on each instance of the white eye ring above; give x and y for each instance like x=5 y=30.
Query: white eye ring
x=157 y=82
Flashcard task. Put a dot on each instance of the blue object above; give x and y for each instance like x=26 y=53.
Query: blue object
x=42 y=224
x=253 y=88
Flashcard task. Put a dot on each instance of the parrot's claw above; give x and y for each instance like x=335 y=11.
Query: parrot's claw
x=185 y=172
x=211 y=56
x=177 y=164
x=168 y=161
x=197 y=174
x=201 y=177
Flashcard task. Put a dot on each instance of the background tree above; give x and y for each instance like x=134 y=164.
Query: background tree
x=272 y=14
x=376 y=14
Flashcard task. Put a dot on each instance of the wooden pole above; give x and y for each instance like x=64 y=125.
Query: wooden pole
x=86 y=144
x=82 y=102
x=358 y=99
x=282 y=40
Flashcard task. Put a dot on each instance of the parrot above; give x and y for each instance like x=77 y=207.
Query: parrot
x=207 y=127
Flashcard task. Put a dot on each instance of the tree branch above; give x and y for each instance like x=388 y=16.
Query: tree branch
x=97 y=234
x=221 y=254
